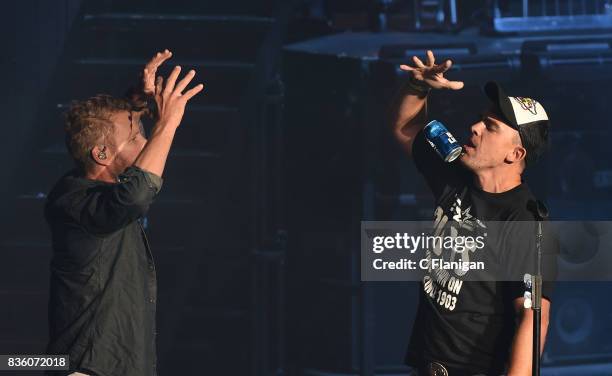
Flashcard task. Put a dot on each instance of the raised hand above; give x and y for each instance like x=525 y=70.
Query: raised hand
x=432 y=75
x=149 y=71
x=171 y=100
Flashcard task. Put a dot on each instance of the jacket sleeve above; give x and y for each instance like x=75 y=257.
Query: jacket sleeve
x=108 y=208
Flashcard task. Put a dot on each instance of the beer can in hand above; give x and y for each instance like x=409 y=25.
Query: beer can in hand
x=442 y=141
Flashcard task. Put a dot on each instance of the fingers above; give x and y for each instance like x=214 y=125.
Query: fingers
x=430 y=58
x=444 y=66
x=172 y=87
x=192 y=92
x=171 y=81
x=455 y=85
x=418 y=62
x=159 y=82
x=430 y=63
x=148 y=75
x=184 y=82
x=158 y=59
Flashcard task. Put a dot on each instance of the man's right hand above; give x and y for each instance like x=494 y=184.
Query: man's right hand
x=171 y=100
x=430 y=74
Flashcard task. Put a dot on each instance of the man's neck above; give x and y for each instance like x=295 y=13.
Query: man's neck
x=493 y=181
x=100 y=174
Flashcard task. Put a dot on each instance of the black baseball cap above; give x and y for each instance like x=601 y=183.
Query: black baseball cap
x=526 y=115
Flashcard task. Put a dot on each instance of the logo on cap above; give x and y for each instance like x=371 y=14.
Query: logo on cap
x=527 y=110
x=527 y=104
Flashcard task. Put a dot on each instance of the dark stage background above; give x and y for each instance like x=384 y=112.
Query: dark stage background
x=256 y=232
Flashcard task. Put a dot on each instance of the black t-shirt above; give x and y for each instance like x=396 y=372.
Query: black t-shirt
x=470 y=324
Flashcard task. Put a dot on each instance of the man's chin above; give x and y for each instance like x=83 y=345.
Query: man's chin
x=466 y=162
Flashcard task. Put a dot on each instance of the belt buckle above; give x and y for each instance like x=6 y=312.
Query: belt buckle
x=437 y=369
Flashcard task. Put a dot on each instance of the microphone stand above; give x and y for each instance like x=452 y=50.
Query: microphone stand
x=535 y=282
x=536 y=293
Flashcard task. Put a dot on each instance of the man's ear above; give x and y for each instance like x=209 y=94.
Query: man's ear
x=101 y=155
x=517 y=154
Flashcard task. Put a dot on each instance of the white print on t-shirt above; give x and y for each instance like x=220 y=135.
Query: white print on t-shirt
x=441 y=285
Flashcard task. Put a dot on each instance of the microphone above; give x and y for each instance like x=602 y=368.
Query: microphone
x=538 y=208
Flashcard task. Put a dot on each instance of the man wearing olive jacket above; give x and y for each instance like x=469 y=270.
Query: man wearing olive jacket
x=103 y=283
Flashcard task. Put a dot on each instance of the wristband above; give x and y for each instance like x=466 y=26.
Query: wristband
x=418 y=86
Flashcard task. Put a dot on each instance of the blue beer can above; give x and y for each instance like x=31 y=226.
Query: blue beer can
x=442 y=141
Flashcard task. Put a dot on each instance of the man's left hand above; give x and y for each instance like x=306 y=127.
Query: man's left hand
x=148 y=74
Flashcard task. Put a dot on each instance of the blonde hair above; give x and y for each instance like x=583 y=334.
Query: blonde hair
x=87 y=122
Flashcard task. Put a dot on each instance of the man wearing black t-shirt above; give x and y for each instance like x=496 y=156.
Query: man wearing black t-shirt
x=476 y=327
